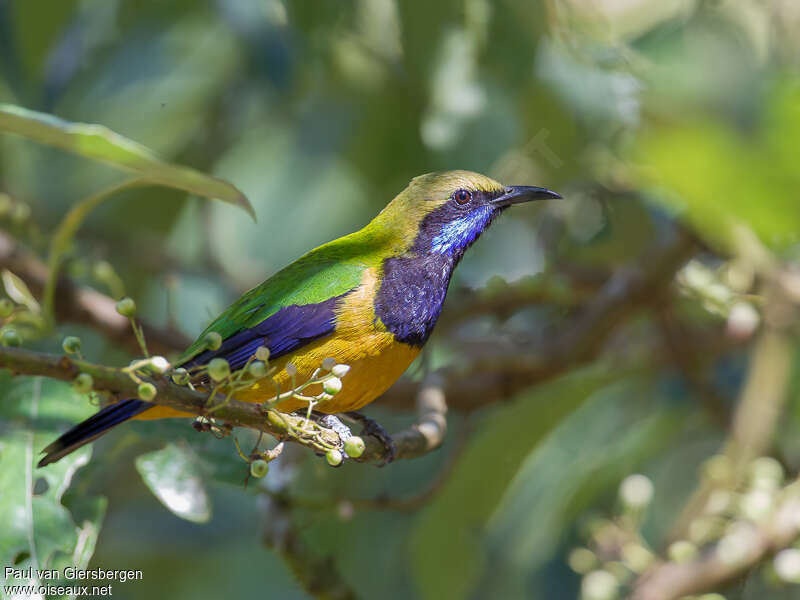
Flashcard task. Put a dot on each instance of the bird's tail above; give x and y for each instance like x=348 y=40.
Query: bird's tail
x=92 y=428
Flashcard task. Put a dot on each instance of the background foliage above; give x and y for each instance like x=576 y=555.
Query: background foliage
x=652 y=118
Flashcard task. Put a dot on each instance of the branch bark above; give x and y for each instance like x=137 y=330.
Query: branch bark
x=410 y=443
x=669 y=581
x=757 y=416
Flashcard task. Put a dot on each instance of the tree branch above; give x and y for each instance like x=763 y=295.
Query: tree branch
x=755 y=420
x=491 y=379
x=410 y=443
x=81 y=304
x=669 y=580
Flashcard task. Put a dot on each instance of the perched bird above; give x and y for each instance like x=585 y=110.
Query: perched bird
x=369 y=300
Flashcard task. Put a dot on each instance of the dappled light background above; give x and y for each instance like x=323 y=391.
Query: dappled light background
x=647 y=115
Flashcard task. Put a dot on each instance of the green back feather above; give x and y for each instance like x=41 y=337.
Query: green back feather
x=327 y=271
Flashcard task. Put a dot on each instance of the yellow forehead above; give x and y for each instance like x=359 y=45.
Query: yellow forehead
x=444 y=183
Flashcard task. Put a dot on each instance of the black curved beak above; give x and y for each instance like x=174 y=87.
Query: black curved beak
x=524 y=193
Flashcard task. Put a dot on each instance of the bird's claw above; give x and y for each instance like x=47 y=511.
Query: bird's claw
x=373 y=428
x=334 y=423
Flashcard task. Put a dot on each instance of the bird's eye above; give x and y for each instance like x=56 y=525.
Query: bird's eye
x=462 y=196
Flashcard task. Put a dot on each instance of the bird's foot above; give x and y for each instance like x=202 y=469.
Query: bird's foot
x=377 y=431
x=334 y=423
x=207 y=425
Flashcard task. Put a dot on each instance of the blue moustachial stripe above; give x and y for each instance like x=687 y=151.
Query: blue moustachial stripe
x=460 y=233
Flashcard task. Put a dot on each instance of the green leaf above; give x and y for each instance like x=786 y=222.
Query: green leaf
x=582 y=461
x=450 y=529
x=720 y=179
x=175 y=476
x=38 y=530
x=100 y=143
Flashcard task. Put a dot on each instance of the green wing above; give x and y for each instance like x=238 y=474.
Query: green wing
x=326 y=272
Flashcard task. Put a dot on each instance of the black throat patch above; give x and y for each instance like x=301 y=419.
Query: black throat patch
x=411 y=295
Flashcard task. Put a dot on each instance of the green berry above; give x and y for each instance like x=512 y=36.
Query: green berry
x=354 y=446
x=334 y=457
x=682 y=551
x=332 y=386
x=259 y=468
x=257 y=369
x=83 y=383
x=10 y=337
x=146 y=391
x=6 y=308
x=71 y=344
x=636 y=491
x=599 y=585
x=159 y=364
x=213 y=340
x=262 y=353
x=340 y=370
x=218 y=369
x=180 y=376
x=582 y=560
x=126 y=307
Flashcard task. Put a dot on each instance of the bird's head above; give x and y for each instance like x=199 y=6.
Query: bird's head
x=444 y=213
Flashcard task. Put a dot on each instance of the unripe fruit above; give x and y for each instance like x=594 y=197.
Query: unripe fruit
x=682 y=551
x=259 y=468
x=340 y=370
x=262 y=353
x=332 y=386
x=213 y=340
x=146 y=391
x=334 y=457
x=10 y=337
x=636 y=491
x=159 y=364
x=599 y=585
x=6 y=308
x=126 y=307
x=354 y=446
x=180 y=376
x=328 y=363
x=71 y=344
x=290 y=369
x=218 y=369
x=83 y=383
x=257 y=369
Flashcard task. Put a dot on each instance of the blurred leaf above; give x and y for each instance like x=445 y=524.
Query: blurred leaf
x=579 y=464
x=102 y=144
x=174 y=475
x=447 y=555
x=38 y=530
x=720 y=179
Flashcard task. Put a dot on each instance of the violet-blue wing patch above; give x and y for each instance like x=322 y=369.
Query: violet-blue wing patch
x=286 y=330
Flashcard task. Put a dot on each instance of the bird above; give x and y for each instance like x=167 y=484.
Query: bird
x=369 y=300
